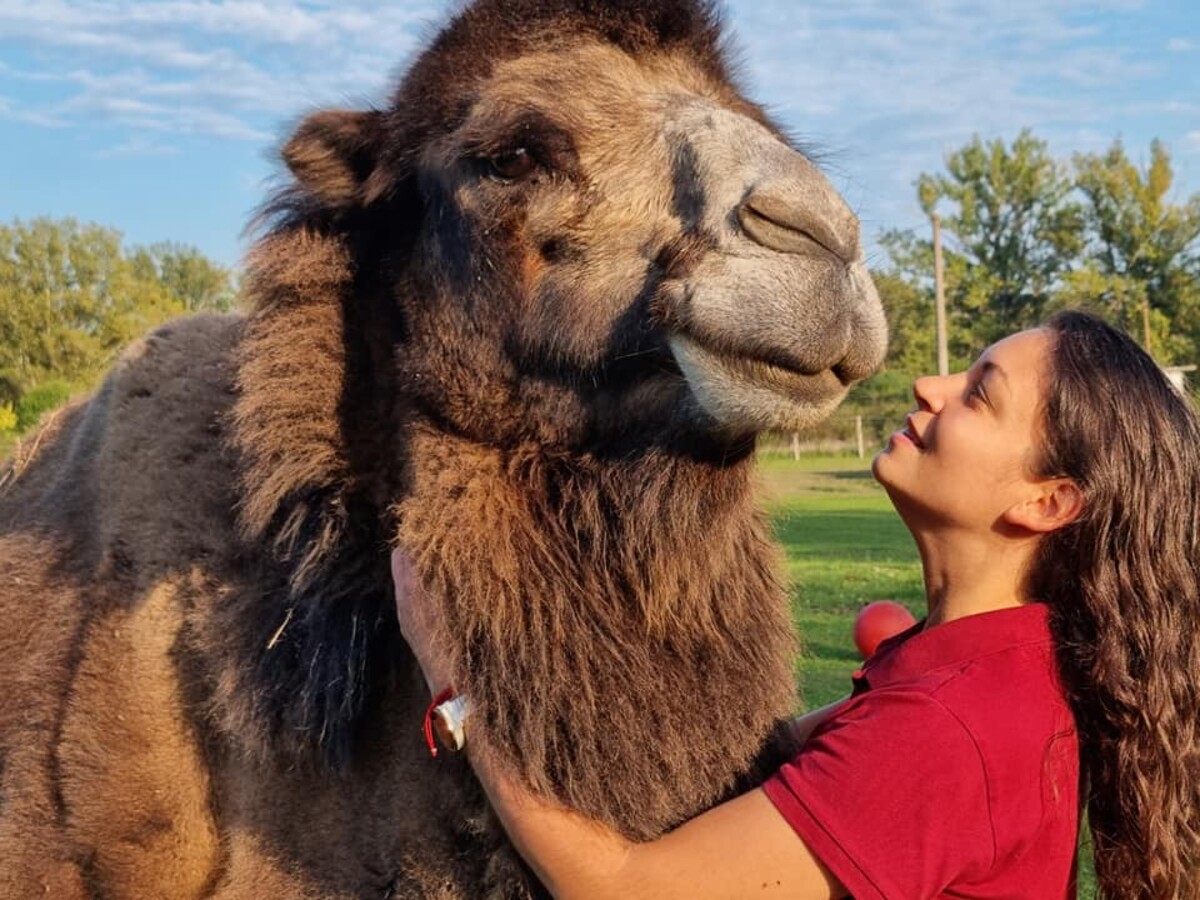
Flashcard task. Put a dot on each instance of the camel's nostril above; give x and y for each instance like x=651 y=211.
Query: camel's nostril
x=783 y=238
x=795 y=224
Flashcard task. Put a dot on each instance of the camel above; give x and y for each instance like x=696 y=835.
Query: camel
x=526 y=322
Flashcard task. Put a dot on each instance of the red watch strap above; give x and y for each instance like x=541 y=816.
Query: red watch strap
x=447 y=694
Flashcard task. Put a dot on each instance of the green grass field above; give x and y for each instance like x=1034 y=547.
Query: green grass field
x=845 y=546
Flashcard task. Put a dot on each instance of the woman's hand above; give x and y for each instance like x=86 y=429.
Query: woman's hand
x=418 y=623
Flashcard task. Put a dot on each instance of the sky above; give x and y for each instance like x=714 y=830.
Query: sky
x=162 y=118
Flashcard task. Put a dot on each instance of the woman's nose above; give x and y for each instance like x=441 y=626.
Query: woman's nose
x=925 y=391
x=931 y=391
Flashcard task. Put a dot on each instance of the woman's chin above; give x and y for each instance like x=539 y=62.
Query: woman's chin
x=876 y=462
x=884 y=464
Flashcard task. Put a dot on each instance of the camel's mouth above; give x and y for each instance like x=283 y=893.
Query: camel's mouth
x=752 y=394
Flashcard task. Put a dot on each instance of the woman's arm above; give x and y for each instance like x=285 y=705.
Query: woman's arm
x=742 y=848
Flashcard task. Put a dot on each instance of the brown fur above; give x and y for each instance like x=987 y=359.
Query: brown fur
x=203 y=692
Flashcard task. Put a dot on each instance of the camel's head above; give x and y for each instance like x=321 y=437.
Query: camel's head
x=590 y=233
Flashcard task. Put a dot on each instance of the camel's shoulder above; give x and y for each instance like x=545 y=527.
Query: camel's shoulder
x=185 y=359
x=132 y=458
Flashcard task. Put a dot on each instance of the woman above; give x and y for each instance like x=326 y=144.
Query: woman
x=1052 y=494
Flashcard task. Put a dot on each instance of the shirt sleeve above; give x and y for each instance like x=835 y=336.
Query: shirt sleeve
x=891 y=795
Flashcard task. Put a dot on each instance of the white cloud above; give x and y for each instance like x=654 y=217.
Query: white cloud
x=137 y=147
x=233 y=68
x=1180 y=108
x=281 y=22
x=241 y=66
x=973 y=60
x=1179 y=45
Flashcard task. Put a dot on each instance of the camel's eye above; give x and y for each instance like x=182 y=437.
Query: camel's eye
x=512 y=164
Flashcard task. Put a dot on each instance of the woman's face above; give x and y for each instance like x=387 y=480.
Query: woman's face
x=967 y=452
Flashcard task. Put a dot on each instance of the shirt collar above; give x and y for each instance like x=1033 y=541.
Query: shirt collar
x=920 y=650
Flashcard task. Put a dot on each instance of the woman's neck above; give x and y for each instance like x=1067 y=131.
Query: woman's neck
x=966 y=575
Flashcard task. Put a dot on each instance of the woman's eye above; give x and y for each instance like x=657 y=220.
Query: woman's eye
x=512 y=165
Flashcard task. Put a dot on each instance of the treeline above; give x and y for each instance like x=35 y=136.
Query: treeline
x=72 y=295
x=1026 y=233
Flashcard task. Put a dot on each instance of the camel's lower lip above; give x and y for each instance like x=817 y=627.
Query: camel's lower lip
x=750 y=395
x=790 y=382
x=800 y=387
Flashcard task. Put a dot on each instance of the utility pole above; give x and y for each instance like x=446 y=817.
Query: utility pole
x=1146 y=323
x=939 y=291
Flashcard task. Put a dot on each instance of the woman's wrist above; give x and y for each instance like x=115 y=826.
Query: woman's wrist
x=418 y=618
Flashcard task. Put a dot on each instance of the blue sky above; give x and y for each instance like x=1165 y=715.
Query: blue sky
x=161 y=117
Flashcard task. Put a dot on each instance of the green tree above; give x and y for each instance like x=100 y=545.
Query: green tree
x=192 y=278
x=909 y=308
x=907 y=293
x=38 y=401
x=69 y=301
x=1143 y=251
x=1014 y=230
x=71 y=298
x=1026 y=234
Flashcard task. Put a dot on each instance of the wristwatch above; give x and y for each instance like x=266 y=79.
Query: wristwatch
x=446 y=718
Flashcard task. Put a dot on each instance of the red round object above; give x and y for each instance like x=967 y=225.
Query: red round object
x=877 y=622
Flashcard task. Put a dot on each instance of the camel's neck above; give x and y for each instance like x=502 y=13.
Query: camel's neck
x=648 y=526
x=590 y=604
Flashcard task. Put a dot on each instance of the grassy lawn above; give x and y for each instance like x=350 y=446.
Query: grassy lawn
x=845 y=546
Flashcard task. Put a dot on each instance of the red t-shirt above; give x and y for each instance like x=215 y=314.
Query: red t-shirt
x=953 y=771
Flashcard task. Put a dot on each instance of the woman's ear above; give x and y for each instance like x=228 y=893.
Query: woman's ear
x=1056 y=503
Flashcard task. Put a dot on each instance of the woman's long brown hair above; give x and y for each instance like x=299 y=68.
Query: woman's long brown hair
x=1123 y=587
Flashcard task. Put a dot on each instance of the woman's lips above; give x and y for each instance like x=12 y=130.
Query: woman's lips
x=910 y=432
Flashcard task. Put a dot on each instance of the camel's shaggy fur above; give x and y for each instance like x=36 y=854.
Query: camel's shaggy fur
x=524 y=322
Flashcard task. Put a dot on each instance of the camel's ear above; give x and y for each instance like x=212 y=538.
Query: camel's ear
x=335 y=155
